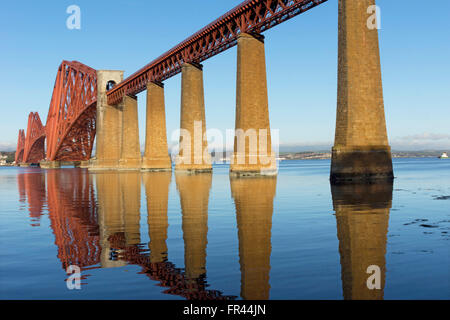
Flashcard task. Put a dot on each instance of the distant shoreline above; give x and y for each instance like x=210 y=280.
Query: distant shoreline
x=307 y=155
x=327 y=155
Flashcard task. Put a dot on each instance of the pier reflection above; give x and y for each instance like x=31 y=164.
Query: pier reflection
x=157 y=194
x=119 y=215
x=253 y=198
x=194 y=196
x=111 y=219
x=362 y=217
x=95 y=218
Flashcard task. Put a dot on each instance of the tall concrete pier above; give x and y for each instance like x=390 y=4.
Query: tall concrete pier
x=362 y=217
x=108 y=124
x=361 y=150
x=193 y=154
x=130 y=158
x=156 y=157
x=252 y=144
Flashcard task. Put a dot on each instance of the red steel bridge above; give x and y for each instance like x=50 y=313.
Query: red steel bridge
x=70 y=128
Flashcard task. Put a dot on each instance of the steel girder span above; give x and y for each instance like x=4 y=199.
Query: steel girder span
x=20 y=147
x=34 y=148
x=70 y=127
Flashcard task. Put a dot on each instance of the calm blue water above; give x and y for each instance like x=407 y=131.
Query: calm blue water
x=167 y=236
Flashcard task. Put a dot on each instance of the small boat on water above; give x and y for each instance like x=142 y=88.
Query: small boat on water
x=444 y=155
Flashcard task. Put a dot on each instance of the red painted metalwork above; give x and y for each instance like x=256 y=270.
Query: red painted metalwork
x=34 y=149
x=251 y=16
x=20 y=146
x=70 y=126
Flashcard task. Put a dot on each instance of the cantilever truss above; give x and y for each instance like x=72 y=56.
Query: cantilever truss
x=70 y=123
x=34 y=148
x=251 y=16
x=20 y=146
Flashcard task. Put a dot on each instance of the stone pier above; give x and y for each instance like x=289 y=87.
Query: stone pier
x=108 y=124
x=156 y=157
x=193 y=154
x=84 y=164
x=252 y=146
x=50 y=164
x=361 y=150
x=130 y=151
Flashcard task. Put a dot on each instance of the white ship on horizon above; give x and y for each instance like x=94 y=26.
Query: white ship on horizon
x=444 y=155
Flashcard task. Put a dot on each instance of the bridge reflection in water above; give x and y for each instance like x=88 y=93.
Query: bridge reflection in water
x=194 y=196
x=253 y=198
x=362 y=217
x=119 y=220
x=96 y=222
x=73 y=217
x=32 y=187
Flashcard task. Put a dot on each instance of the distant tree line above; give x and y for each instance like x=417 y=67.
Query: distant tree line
x=10 y=156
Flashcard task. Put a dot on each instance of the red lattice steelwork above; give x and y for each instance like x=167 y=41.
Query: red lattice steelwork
x=251 y=16
x=34 y=149
x=71 y=121
x=20 y=146
x=71 y=118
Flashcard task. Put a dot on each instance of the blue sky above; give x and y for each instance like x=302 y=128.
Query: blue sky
x=301 y=58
